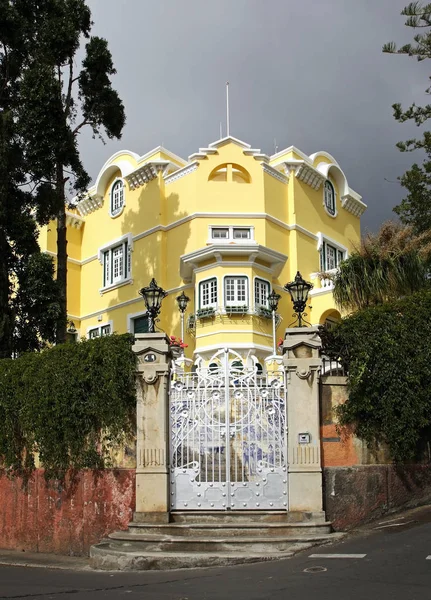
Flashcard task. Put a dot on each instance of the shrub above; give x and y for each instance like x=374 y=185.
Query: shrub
x=70 y=404
x=386 y=350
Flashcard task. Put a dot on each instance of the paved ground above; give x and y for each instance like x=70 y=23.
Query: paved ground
x=385 y=561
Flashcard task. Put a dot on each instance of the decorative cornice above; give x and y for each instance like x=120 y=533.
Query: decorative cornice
x=89 y=204
x=191 y=261
x=73 y=220
x=274 y=173
x=309 y=175
x=146 y=173
x=353 y=205
x=257 y=154
x=181 y=172
x=203 y=153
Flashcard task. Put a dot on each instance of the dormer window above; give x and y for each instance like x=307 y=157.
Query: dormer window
x=117 y=198
x=329 y=198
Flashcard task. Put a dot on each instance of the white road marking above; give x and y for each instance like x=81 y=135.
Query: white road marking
x=428 y=557
x=393 y=525
x=337 y=556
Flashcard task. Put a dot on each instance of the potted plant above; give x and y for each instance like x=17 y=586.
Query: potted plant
x=262 y=311
x=237 y=310
x=208 y=311
x=177 y=346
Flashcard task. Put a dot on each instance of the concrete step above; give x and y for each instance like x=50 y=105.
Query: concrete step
x=103 y=556
x=239 y=517
x=230 y=529
x=163 y=543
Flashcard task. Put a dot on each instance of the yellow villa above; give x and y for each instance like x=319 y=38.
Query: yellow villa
x=225 y=227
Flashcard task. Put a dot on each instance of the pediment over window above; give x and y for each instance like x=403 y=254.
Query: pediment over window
x=220 y=253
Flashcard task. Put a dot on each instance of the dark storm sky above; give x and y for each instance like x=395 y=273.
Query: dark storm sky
x=305 y=72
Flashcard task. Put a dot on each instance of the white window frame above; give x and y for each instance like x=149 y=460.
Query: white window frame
x=105 y=256
x=210 y=304
x=230 y=238
x=335 y=199
x=268 y=283
x=236 y=302
x=325 y=240
x=132 y=316
x=116 y=212
x=99 y=327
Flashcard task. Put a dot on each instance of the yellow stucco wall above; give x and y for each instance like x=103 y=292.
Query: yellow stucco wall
x=170 y=216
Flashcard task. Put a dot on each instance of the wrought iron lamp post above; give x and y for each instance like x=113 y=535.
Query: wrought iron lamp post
x=153 y=296
x=273 y=299
x=182 y=300
x=298 y=290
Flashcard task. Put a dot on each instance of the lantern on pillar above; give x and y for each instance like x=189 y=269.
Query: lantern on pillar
x=299 y=290
x=153 y=296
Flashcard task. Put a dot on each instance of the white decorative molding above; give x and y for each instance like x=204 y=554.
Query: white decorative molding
x=309 y=175
x=73 y=261
x=257 y=154
x=114 y=286
x=218 y=331
x=274 y=173
x=353 y=204
x=89 y=204
x=202 y=154
x=191 y=261
x=234 y=346
x=325 y=284
x=146 y=173
x=181 y=172
x=209 y=215
x=73 y=220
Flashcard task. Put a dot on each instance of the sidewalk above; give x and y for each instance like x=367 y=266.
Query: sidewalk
x=14 y=558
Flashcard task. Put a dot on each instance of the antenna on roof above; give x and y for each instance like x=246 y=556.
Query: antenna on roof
x=227 y=109
x=275 y=146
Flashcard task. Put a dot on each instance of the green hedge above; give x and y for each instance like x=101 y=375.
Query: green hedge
x=387 y=351
x=71 y=404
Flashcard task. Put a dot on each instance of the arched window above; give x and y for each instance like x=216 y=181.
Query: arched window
x=330 y=198
x=117 y=198
x=230 y=172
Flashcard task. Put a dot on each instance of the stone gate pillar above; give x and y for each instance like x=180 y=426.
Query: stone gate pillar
x=152 y=414
x=301 y=358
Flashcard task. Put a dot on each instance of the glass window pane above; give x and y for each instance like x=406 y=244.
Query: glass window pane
x=220 y=233
x=140 y=324
x=241 y=234
x=331 y=257
x=93 y=333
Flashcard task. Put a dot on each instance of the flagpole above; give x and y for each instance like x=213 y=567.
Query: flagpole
x=227 y=109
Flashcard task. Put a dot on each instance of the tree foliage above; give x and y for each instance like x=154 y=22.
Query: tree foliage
x=71 y=404
x=386 y=351
x=415 y=209
x=394 y=262
x=50 y=101
x=18 y=232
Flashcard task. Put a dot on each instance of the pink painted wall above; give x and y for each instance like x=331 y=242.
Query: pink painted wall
x=41 y=517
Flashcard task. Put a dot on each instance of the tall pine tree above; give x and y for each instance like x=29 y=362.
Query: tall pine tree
x=415 y=209
x=20 y=258
x=56 y=103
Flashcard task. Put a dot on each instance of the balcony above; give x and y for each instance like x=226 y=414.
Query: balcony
x=322 y=282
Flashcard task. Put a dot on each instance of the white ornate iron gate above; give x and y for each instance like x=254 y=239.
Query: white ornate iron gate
x=228 y=437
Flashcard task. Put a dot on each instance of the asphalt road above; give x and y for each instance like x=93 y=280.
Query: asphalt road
x=395 y=567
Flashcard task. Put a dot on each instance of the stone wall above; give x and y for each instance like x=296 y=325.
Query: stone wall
x=360 y=484
x=48 y=518
x=361 y=493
